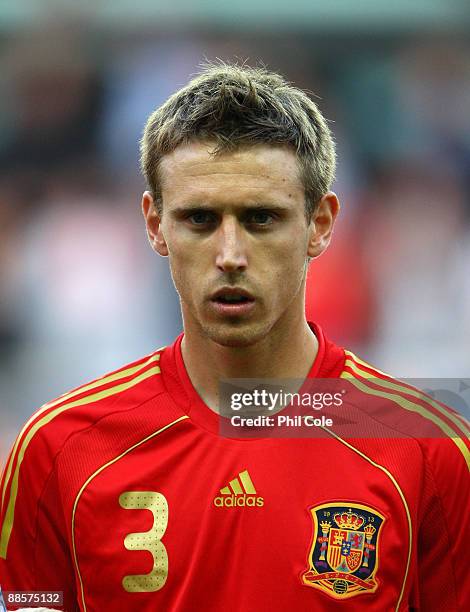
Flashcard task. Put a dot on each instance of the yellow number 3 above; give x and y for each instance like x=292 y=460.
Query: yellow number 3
x=147 y=540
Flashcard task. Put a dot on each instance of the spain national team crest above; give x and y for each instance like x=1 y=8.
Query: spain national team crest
x=344 y=555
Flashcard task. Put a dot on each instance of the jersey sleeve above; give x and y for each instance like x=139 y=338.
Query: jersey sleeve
x=34 y=551
x=443 y=539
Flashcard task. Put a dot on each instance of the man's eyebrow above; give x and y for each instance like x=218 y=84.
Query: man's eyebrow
x=185 y=208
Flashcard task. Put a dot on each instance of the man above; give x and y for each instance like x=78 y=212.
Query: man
x=123 y=494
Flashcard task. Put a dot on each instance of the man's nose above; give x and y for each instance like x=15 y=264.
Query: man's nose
x=231 y=251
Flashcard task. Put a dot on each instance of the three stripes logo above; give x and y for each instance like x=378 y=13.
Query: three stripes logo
x=240 y=492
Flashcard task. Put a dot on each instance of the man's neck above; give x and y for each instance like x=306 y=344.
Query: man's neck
x=288 y=353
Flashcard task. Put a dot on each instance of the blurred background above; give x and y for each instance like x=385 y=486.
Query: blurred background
x=81 y=292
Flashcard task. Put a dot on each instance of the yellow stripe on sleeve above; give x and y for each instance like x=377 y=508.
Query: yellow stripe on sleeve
x=89 y=387
x=413 y=407
x=461 y=423
x=9 y=515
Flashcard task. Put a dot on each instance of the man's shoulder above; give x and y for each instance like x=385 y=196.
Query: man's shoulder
x=87 y=424
x=406 y=411
x=118 y=391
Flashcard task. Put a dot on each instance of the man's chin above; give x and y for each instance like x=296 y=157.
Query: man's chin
x=236 y=336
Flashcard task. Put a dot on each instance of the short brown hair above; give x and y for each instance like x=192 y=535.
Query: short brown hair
x=241 y=106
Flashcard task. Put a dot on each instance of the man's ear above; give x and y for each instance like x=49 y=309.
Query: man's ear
x=153 y=224
x=322 y=223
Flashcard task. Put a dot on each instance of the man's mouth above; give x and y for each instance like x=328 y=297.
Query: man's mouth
x=232 y=301
x=232 y=296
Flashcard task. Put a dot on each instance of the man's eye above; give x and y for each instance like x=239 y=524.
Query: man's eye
x=260 y=217
x=201 y=218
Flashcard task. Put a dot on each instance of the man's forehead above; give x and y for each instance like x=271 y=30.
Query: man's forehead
x=257 y=164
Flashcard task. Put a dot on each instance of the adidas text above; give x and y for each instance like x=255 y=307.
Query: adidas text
x=234 y=501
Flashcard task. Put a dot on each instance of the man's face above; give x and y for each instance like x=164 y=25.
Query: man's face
x=235 y=231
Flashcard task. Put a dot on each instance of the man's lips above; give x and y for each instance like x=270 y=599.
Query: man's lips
x=232 y=294
x=232 y=301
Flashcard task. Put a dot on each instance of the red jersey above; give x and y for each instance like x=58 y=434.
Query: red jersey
x=123 y=495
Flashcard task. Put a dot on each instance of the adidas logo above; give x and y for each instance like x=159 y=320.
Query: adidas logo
x=238 y=493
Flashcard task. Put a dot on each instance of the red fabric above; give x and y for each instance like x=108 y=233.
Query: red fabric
x=156 y=438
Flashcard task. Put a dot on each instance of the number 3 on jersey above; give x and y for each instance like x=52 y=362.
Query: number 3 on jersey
x=147 y=540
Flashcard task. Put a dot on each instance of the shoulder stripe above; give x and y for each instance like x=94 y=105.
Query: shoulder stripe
x=10 y=510
x=99 y=382
x=463 y=421
x=350 y=355
x=2 y=479
x=413 y=407
x=389 y=382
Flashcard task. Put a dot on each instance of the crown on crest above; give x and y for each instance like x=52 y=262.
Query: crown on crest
x=369 y=530
x=349 y=520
